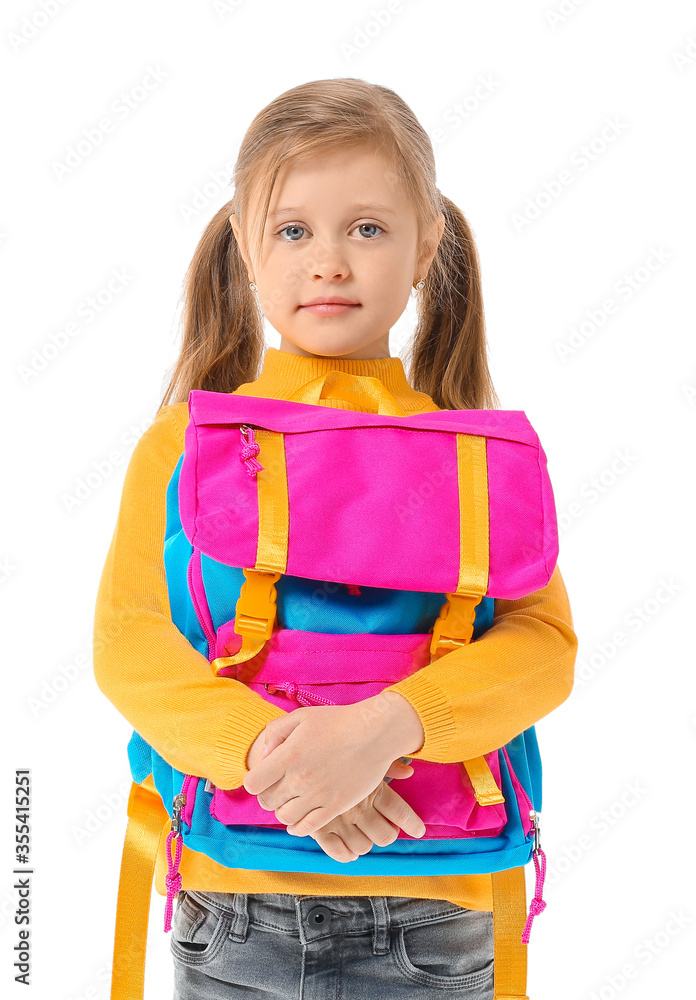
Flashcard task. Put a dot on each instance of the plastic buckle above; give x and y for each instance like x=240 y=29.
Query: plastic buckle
x=456 y=616
x=255 y=612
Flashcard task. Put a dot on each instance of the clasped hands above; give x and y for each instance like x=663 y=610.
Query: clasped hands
x=320 y=769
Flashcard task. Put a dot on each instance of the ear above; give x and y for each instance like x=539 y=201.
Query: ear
x=235 y=227
x=238 y=235
x=430 y=243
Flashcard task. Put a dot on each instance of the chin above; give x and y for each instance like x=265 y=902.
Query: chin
x=324 y=347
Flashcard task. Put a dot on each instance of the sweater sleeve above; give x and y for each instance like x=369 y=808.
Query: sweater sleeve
x=199 y=723
x=477 y=698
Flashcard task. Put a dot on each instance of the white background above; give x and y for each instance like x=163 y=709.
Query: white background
x=537 y=82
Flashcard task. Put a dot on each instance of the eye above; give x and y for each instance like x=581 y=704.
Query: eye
x=369 y=225
x=292 y=229
x=295 y=232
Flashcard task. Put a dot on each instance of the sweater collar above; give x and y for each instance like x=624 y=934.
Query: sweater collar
x=283 y=373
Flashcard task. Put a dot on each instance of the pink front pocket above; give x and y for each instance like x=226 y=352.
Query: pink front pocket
x=298 y=668
x=441 y=794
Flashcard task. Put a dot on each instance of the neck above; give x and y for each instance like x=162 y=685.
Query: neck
x=379 y=348
x=282 y=373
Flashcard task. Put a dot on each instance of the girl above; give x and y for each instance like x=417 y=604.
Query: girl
x=335 y=219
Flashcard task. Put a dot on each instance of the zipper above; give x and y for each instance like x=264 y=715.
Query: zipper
x=210 y=636
x=177 y=808
x=538 y=903
x=249 y=449
x=206 y=631
x=173 y=878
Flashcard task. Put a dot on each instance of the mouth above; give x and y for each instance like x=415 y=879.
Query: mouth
x=329 y=306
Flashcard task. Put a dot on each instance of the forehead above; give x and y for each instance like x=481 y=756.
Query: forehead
x=352 y=179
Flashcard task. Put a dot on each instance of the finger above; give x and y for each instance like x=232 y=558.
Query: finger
x=334 y=845
x=306 y=817
x=264 y=773
x=272 y=800
x=266 y=801
x=290 y=811
x=377 y=828
x=399 y=770
x=279 y=729
x=399 y=812
x=354 y=839
x=270 y=742
x=312 y=822
x=275 y=734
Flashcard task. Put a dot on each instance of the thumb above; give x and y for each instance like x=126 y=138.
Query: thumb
x=278 y=730
x=267 y=771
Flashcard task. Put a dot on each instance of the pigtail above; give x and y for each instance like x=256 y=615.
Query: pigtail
x=448 y=355
x=223 y=337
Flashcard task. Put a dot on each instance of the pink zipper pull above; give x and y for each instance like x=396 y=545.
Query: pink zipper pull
x=249 y=450
x=173 y=878
x=537 y=904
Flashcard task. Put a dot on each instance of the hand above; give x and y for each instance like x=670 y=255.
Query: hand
x=324 y=760
x=260 y=748
x=375 y=820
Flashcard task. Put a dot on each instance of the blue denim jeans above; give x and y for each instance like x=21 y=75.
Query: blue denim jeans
x=274 y=945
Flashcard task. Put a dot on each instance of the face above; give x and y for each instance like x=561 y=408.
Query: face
x=338 y=226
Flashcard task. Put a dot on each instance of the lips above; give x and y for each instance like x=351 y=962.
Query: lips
x=333 y=305
x=332 y=300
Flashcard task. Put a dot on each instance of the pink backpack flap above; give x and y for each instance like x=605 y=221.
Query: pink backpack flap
x=426 y=502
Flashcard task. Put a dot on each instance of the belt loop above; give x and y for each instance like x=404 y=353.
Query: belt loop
x=240 y=923
x=381 y=934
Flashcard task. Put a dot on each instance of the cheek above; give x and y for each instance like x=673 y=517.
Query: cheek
x=278 y=291
x=388 y=295
x=386 y=273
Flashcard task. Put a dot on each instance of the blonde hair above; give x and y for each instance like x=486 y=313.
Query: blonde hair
x=223 y=334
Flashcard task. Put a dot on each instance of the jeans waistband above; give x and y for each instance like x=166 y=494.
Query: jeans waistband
x=315 y=917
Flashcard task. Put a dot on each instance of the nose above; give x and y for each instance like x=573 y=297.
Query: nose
x=329 y=262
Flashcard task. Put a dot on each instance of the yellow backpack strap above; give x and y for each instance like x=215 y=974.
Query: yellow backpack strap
x=509 y=915
x=255 y=612
x=146 y=818
x=485 y=788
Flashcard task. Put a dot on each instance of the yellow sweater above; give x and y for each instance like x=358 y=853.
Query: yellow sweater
x=470 y=701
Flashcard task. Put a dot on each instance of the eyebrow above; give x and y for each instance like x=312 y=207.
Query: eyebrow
x=298 y=209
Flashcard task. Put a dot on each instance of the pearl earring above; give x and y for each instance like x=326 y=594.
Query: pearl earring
x=252 y=286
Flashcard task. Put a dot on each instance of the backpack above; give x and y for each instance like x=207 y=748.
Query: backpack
x=276 y=500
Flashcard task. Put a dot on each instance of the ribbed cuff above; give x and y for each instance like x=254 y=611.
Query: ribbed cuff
x=238 y=734
x=435 y=712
